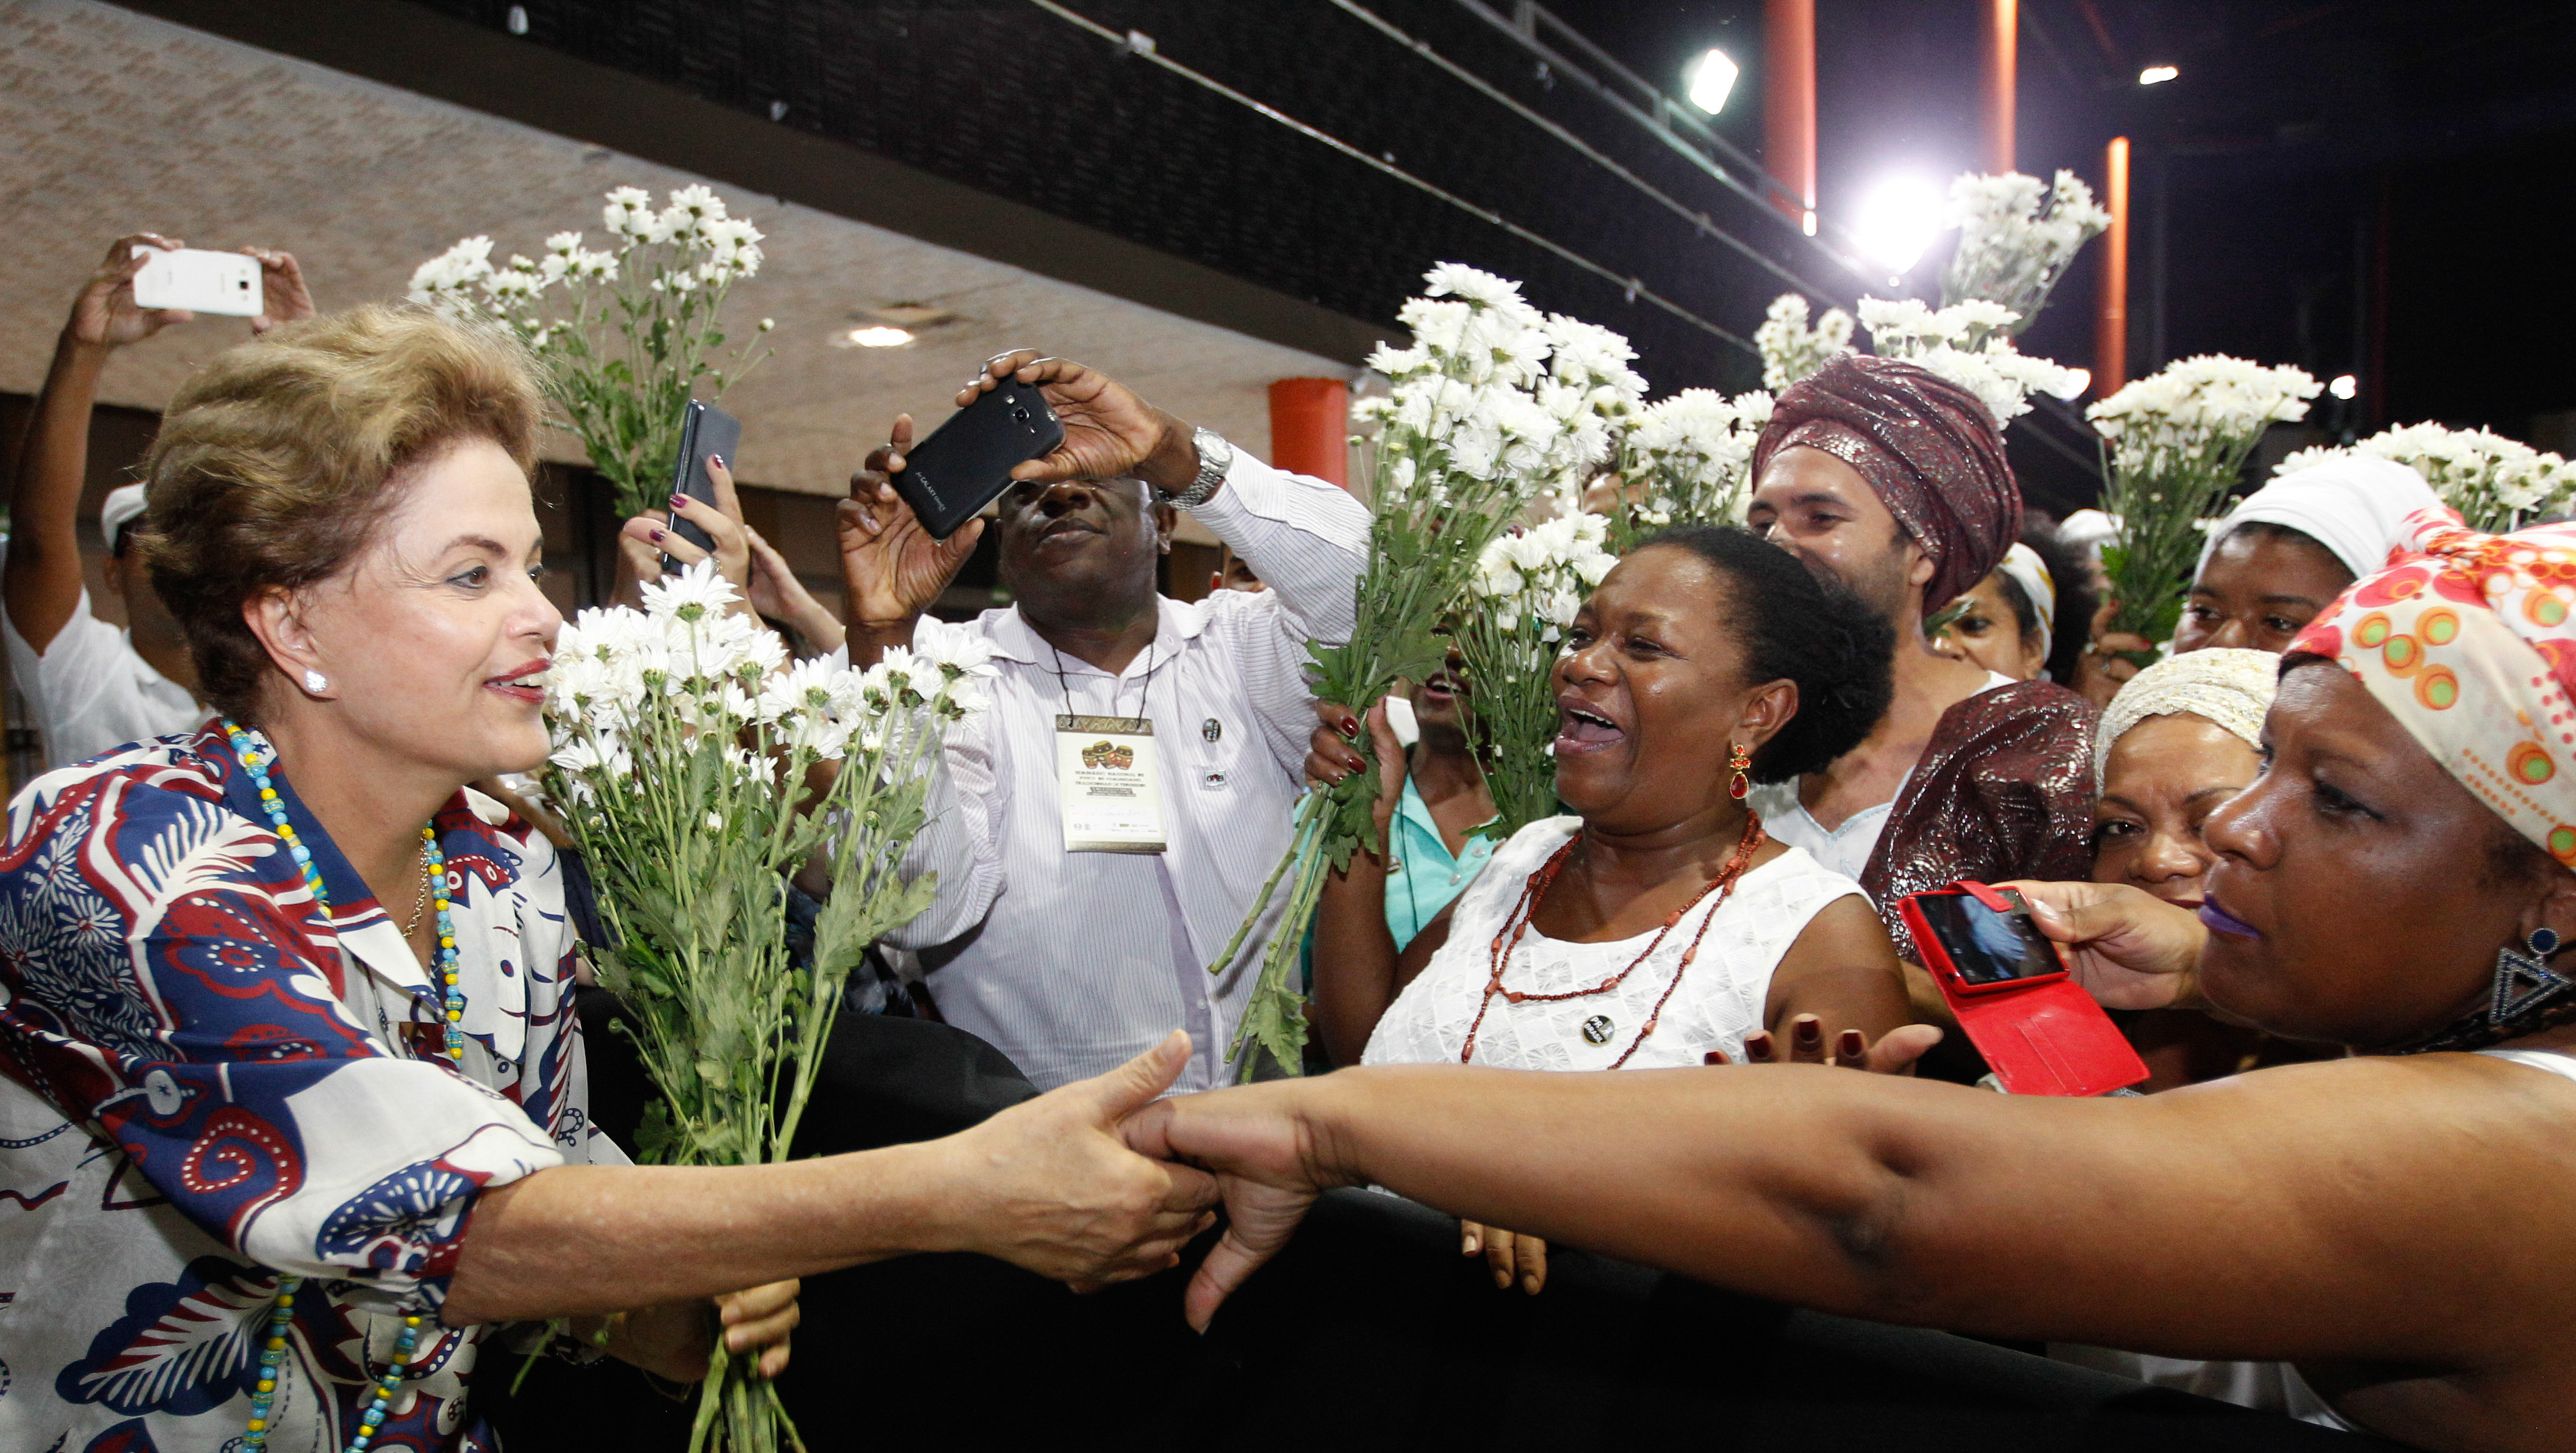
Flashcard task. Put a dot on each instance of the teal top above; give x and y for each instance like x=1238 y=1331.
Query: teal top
x=1422 y=877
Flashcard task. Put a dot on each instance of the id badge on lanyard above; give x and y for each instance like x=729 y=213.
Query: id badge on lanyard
x=1106 y=784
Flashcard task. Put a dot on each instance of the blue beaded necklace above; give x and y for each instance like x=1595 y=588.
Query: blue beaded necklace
x=281 y=1312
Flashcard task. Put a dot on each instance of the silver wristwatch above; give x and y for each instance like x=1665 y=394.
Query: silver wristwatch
x=1215 y=457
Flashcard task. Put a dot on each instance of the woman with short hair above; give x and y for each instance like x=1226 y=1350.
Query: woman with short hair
x=292 y=1100
x=2381 y=1235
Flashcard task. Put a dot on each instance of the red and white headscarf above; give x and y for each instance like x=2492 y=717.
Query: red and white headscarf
x=2470 y=641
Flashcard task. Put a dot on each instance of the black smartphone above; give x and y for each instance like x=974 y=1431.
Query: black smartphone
x=1987 y=946
x=966 y=463
x=704 y=430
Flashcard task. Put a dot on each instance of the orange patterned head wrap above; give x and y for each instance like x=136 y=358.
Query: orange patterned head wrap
x=2470 y=641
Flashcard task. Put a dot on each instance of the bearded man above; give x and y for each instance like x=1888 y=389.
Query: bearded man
x=1891 y=481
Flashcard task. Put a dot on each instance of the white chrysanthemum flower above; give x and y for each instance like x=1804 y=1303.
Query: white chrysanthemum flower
x=1790 y=350
x=957 y=656
x=696 y=592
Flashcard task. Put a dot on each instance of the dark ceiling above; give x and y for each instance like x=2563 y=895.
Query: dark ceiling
x=2325 y=184
x=2362 y=186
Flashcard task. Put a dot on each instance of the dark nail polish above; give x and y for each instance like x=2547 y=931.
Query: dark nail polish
x=1851 y=1045
x=657 y=537
x=1809 y=1031
x=718 y=461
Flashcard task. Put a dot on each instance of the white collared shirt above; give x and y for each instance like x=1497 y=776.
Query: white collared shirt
x=91 y=690
x=1072 y=963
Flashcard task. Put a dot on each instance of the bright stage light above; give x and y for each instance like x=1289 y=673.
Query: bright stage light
x=2077 y=381
x=2344 y=386
x=1712 y=79
x=2155 y=75
x=880 y=337
x=1898 y=219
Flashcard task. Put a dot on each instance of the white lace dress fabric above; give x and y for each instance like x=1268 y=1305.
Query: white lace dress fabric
x=1718 y=1003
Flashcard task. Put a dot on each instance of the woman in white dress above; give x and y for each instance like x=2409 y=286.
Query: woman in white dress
x=2379 y=1240
x=1659 y=925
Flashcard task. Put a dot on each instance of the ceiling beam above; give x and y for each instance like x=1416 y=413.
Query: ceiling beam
x=419 y=50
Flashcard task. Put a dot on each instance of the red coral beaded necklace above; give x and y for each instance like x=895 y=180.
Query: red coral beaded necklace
x=1515 y=923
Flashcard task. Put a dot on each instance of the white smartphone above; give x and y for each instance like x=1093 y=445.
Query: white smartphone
x=1399 y=719
x=198 y=281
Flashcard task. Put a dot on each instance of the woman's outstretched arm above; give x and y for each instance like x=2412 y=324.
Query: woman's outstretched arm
x=2363 y=1209
x=1045 y=1184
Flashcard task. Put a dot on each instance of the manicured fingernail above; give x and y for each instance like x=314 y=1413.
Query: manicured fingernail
x=1850 y=1045
x=1713 y=1057
x=1350 y=726
x=679 y=501
x=1470 y=1246
x=718 y=461
x=1809 y=1031
x=657 y=537
x=1757 y=1045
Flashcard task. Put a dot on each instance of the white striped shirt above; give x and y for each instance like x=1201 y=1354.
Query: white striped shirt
x=1071 y=963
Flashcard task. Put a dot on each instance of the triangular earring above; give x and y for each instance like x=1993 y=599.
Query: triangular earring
x=2524 y=979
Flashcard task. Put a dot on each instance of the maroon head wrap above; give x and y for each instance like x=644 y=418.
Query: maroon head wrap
x=1927 y=446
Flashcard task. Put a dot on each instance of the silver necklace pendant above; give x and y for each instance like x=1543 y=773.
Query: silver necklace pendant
x=1596 y=1030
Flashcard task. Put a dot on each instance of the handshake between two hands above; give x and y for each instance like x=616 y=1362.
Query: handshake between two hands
x=1102 y=1181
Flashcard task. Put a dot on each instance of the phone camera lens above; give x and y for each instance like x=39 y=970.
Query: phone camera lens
x=1019 y=413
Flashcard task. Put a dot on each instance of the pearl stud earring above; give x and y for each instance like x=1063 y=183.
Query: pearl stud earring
x=315 y=681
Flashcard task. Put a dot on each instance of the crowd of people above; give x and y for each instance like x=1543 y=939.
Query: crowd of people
x=289 y=970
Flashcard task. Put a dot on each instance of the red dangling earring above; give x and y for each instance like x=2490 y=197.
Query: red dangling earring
x=1737 y=764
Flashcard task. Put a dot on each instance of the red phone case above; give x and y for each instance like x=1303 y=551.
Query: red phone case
x=2041 y=1036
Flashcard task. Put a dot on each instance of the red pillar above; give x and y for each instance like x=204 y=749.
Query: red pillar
x=2111 y=322
x=1789 y=104
x=1310 y=428
x=2003 y=33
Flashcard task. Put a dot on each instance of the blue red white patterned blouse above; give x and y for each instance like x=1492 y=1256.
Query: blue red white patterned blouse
x=210 y=1080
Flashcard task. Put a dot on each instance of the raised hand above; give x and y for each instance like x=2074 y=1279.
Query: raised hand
x=282 y=294
x=649 y=535
x=1108 y=430
x=2129 y=949
x=2101 y=671
x=1330 y=757
x=104 y=315
x=892 y=568
x=779 y=595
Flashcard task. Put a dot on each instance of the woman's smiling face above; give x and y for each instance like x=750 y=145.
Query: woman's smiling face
x=432 y=636
x=1651 y=694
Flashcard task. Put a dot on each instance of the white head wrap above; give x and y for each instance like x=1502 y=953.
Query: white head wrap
x=123 y=503
x=2355 y=506
x=2023 y=565
x=2230 y=688
x=2089 y=531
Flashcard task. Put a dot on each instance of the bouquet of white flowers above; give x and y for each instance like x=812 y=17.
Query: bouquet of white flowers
x=1688 y=459
x=1511 y=626
x=685 y=754
x=1491 y=403
x=2497 y=484
x=638 y=326
x=2174 y=445
x=1790 y=349
x=2016 y=237
x=1968 y=343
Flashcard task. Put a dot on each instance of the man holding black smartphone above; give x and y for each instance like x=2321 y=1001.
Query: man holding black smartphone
x=1103 y=829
